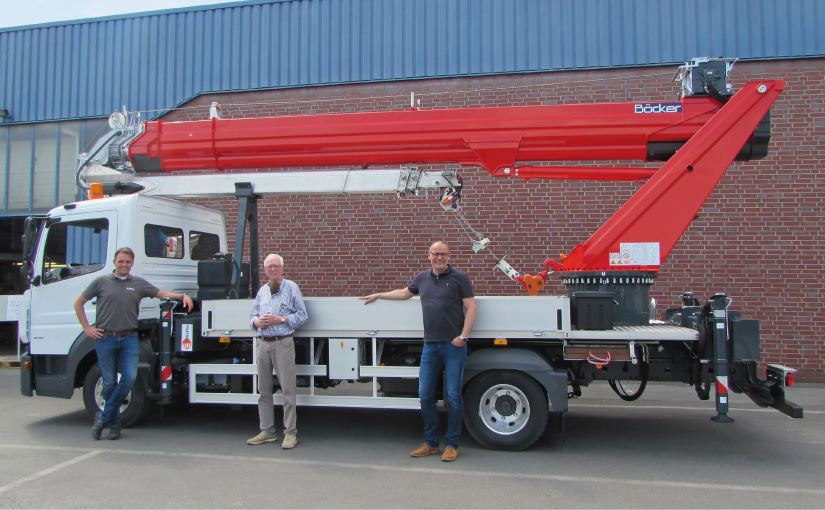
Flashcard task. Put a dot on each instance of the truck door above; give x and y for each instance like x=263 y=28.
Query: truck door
x=73 y=250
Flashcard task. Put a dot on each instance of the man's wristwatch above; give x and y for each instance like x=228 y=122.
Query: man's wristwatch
x=465 y=338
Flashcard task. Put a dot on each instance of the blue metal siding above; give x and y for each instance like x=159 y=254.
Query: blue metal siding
x=158 y=60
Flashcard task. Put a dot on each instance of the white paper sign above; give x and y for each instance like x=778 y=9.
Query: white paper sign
x=13 y=307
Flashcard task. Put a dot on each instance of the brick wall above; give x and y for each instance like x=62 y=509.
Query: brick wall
x=758 y=238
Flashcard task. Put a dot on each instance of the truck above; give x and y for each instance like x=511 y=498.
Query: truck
x=528 y=355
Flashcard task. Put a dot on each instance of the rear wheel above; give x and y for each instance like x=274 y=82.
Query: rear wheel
x=505 y=410
x=133 y=409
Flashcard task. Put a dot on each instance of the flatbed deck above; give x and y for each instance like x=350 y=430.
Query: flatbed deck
x=540 y=318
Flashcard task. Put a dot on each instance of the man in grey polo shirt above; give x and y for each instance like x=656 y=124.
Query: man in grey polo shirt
x=115 y=333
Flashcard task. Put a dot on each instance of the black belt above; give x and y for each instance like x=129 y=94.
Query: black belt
x=122 y=332
x=273 y=338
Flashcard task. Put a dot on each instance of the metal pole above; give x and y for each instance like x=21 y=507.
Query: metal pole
x=721 y=354
x=247 y=212
x=165 y=354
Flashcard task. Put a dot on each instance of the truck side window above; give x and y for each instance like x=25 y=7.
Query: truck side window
x=163 y=242
x=203 y=245
x=75 y=248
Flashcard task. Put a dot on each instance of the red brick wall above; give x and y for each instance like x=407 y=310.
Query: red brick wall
x=758 y=237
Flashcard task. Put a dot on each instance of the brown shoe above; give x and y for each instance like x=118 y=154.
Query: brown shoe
x=424 y=450
x=449 y=454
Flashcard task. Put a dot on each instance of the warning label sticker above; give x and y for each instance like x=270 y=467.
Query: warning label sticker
x=636 y=254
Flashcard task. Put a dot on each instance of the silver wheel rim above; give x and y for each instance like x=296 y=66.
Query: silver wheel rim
x=504 y=409
x=99 y=396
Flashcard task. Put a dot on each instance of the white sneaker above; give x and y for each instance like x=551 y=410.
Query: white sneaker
x=263 y=437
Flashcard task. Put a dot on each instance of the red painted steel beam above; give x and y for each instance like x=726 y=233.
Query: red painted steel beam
x=494 y=138
x=665 y=205
x=528 y=172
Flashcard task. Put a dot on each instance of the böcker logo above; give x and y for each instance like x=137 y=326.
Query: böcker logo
x=657 y=108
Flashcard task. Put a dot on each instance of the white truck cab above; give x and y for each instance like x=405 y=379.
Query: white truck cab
x=76 y=244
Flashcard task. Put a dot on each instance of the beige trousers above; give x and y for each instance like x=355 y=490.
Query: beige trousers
x=280 y=356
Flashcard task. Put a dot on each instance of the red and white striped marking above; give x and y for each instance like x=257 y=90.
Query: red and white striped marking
x=722 y=388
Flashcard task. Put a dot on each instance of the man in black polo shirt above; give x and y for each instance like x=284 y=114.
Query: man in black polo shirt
x=449 y=309
x=115 y=333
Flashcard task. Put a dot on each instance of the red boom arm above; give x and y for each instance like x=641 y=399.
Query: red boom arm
x=491 y=138
x=665 y=205
x=705 y=135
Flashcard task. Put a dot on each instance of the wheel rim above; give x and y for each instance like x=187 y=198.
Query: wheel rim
x=504 y=409
x=99 y=400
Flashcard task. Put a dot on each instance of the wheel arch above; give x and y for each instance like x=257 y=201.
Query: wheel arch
x=525 y=361
x=82 y=357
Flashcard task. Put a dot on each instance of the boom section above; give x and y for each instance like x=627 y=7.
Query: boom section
x=494 y=138
x=656 y=216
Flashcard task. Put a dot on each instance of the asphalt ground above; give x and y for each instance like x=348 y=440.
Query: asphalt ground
x=662 y=451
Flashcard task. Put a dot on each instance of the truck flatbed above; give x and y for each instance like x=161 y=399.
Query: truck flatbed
x=524 y=317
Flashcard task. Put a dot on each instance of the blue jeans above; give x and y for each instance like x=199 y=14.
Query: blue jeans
x=435 y=357
x=116 y=354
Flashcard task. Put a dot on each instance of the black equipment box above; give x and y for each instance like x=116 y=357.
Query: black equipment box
x=744 y=334
x=593 y=310
x=214 y=279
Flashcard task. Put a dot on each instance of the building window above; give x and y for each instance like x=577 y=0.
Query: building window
x=38 y=163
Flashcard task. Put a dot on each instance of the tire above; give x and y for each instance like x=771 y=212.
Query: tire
x=133 y=409
x=505 y=410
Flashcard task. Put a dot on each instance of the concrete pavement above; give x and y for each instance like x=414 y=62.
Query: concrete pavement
x=662 y=451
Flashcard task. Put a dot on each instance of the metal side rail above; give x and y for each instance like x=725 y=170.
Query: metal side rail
x=367 y=395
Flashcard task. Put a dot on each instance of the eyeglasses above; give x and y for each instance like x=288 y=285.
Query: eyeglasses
x=440 y=254
x=272 y=266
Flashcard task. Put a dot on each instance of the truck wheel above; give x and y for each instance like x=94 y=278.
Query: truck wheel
x=505 y=410
x=133 y=409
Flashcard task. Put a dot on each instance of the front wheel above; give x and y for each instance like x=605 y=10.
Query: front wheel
x=505 y=410
x=133 y=409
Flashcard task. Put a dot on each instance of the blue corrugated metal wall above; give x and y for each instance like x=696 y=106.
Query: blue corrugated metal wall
x=159 y=60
